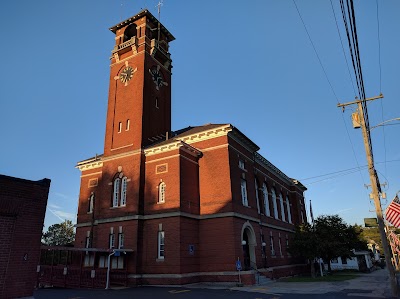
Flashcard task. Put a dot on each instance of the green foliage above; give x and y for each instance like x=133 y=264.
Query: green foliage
x=304 y=242
x=328 y=238
x=60 y=234
x=336 y=238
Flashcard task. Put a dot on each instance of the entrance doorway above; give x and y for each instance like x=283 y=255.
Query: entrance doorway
x=248 y=247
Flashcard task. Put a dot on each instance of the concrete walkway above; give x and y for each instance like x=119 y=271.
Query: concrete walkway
x=375 y=284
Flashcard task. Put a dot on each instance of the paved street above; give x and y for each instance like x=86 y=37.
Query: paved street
x=371 y=285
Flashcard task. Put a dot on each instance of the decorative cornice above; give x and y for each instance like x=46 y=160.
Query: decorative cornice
x=178 y=144
x=207 y=134
x=187 y=215
x=97 y=162
x=90 y=165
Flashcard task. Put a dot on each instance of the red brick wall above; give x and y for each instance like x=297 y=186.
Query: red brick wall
x=170 y=177
x=189 y=173
x=22 y=209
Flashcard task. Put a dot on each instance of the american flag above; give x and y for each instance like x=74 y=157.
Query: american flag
x=393 y=212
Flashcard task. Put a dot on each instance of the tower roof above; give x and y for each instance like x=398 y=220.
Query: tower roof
x=141 y=14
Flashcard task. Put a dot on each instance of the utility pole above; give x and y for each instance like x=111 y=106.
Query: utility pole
x=375 y=189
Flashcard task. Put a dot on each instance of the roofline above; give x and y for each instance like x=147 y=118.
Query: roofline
x=144 y=12
x=246 y=141
x=43 y=182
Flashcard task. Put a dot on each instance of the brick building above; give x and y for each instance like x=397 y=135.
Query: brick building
x=186 y=203
x=22 y=210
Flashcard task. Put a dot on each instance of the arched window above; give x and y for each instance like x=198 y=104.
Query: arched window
x=161 y=192
x=130 y=32
x=266 y=201
x=243 y=190
x=282 y=207
x=289 y=214
x=257 y=199
x=119 y=190
x=274 y=203
x=123 y=190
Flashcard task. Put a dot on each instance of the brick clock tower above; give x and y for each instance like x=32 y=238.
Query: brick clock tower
x=139 y=100
x=111 y=196
x=163 y=207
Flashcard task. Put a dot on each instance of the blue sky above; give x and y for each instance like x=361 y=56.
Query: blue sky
x=249 y=63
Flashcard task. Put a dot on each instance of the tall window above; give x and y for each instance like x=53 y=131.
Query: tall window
x=117 y=262
x=271 y=244
x=244 y=192
x=119 y=127
x=119 y=191
x=88 y=241
x=274 y=203
x=128 y=122
x=117 y=188
x=91 y=203
x=121 y=240
x=282 y=207
x=257 y=199
x=123 y=190
x=266 y=201
x=111 y=240
x=289 y=214
x=89 y=260
x=161 y=250
x=161 y=192
x=280 y=245
x=287 y=245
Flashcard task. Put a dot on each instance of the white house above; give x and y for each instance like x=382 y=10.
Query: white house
x=361 y=261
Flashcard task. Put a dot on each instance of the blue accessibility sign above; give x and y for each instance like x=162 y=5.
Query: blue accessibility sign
x=238 y=265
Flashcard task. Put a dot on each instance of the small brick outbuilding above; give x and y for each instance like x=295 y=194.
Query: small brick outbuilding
x=22 y=211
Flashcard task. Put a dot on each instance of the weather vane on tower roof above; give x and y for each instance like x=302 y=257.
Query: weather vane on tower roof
x=160 y=3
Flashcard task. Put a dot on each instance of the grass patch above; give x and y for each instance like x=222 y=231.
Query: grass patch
x=341 y=277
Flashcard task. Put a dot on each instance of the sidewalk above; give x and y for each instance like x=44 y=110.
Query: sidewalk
x=375 y=284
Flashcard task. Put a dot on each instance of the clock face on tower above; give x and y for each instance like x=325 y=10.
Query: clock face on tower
x=126 y=75
x=157 y=77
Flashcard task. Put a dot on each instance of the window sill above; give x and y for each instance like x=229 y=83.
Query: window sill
x=160 y=260
x=118 y=207
x=246 y=206
x=160 y=202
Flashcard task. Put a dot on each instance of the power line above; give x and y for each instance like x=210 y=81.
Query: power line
x=379 y=48
x=352 y=38
x=380 y=78
x=344 y=54
x=344 y=171
x=333 y=91
x=315 y=50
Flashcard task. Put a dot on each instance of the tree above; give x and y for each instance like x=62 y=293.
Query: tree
x=304 y=244
x=60 y=234
x=336 y=238
x=328 y=238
